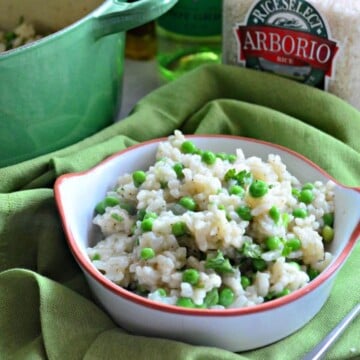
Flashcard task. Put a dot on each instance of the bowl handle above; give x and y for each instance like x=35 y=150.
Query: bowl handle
x=118 y=16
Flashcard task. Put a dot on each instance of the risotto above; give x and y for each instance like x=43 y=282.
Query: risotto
x=22 y=34
x=213 y=230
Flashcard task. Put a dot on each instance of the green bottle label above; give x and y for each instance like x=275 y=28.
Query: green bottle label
x=193 y=18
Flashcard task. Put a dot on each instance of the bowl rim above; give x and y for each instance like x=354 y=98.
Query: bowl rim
x=91 y=271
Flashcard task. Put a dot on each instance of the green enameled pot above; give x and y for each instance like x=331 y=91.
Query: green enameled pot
x=67 y=85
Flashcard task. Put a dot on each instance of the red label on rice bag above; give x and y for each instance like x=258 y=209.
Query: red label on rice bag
x=288 y=38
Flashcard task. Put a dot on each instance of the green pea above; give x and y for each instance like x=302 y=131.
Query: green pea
x=273 y=242
x=208 y=157
x=300 y=213
x=231 y=158
x=147 y=224
x=185 y=302
x=226 y=297
x=244 y=212
x=138 y=177
x=259 y=264
x=308 y=186
x=179 y=228
x=188 y=203
x=306 y=196
x=109 y=201
x=222 y=156
x=191 y=276
x=294 y=244
x=100 y=207
x=178 y=168
x=327 y=233
x=95 y=257
x=161 y=292
x=274 y=213
x=147 y=253
x=313 y=273
x=258 y=188
x=188 y=147
x=236 y=190
x=245 y=281
x=329 y=219
x=282 y=293
x=150 y=215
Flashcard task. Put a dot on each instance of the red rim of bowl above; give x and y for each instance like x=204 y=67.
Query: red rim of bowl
x=87 y=267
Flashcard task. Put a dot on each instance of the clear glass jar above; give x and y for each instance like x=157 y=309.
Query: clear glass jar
x=188 y=36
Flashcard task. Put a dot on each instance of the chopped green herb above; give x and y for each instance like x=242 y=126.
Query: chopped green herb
x=219 y=263
x=259 y=264
x=117 y=217
x=242 y=178
x=285 y=220
x=251 y=250
x=211 y=298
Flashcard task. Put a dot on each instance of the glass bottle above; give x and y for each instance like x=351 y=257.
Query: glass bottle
x=188 y=35
x=141 y=41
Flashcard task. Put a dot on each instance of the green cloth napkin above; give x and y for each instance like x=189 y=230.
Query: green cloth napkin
x=46 y=308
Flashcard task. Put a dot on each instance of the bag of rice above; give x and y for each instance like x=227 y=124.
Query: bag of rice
x=316 y=42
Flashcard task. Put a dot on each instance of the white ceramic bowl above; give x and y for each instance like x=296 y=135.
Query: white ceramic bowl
x=232 y=329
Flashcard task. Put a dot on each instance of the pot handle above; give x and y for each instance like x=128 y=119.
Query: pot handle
x=118 y=16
